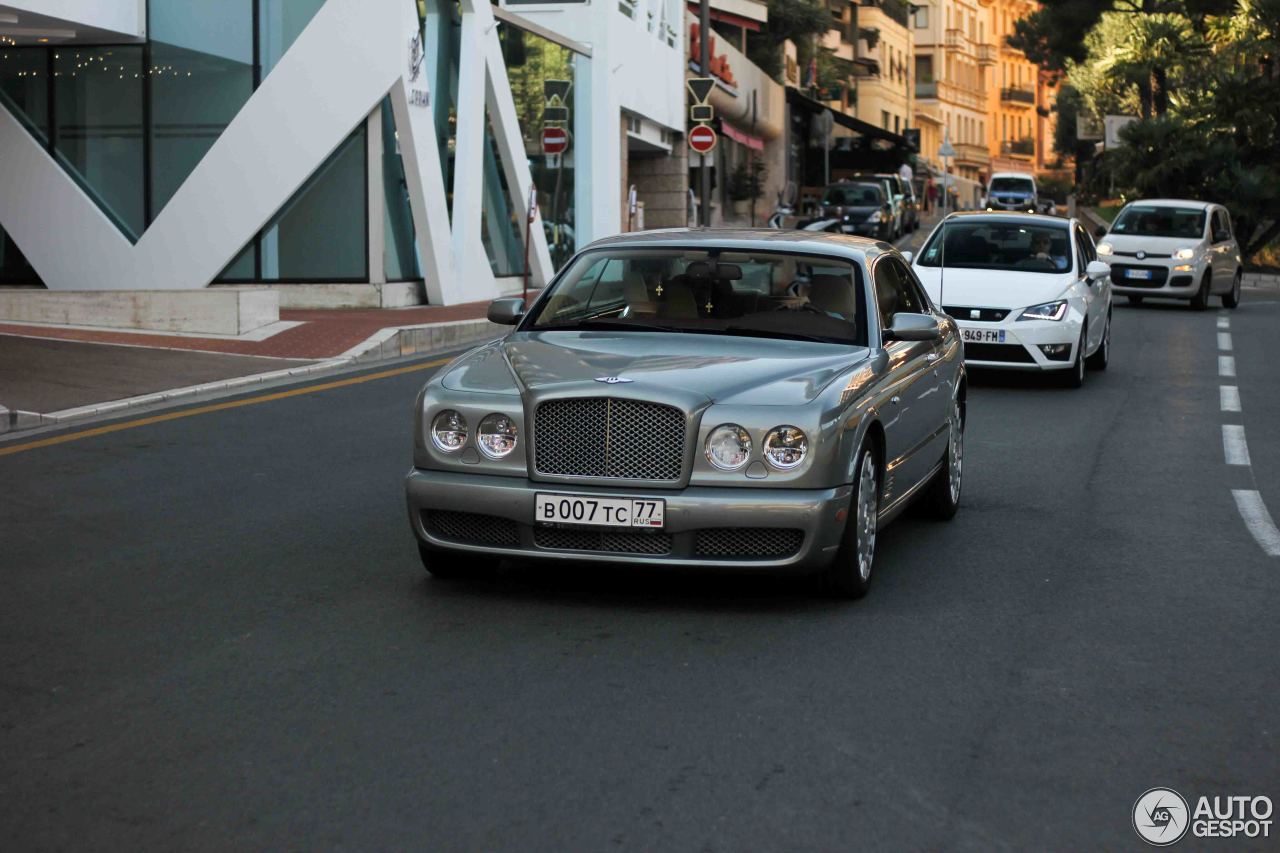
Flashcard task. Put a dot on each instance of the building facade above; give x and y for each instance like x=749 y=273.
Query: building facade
x=1013 y=93
x=953 y=52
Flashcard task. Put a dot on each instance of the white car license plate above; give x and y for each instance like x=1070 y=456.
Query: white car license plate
x=1138 y=274
x=983 y=336
x=598 y=512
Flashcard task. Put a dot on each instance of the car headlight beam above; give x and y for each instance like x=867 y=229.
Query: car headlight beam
x=496 y=436
x=1184 y=254
x=1048 y=311
x=1105 y=248
x=728 y=447
x=449 y=431
x=785 y=447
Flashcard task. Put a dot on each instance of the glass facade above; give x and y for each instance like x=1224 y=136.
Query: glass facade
x=400 y=254
x=24 y=87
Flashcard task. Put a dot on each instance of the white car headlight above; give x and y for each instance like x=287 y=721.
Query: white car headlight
x=449 y=431
x=1184 y=254
x=1105 y=248
x=785 y=447
x=1048 y=311
x=728 y=447
x=496 y=436
x=874 y=218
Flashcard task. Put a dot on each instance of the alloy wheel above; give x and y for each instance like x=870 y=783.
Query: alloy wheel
x=956 y=455
x=868 y=510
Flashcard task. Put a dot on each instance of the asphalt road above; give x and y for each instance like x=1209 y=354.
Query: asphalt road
x=215 y=634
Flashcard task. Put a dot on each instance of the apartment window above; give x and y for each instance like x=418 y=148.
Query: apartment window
x=897 y=124
x=922 y=17
x=884 y=119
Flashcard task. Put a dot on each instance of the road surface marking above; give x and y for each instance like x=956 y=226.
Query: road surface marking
x=1258 y=520
x=1226 y=365
x=1233 y=444
x=1224 y=323
x=1224 y=341
x=218 y=407
x=1229 y=398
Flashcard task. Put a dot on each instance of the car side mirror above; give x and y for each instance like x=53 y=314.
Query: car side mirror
x=1100 y=231
x=1097 y=270
x=907 y=255
x=1221 y=236
x=912 y=327
x=506 y=311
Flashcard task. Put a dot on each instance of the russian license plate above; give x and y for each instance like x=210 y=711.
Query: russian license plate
x=983 y=336
x=1138 y=274
x=598 y=512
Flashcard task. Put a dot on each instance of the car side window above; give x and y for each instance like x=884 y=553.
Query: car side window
x=913 y=282
x=1215 y=225
x=893 y=295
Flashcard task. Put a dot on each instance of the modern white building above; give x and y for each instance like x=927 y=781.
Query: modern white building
x=391 y=145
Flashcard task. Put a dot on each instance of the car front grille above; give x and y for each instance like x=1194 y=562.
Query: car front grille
x=609 y=438
x=985 y=315
x=1144 y=254
x=471 y=527
x=614 y=541
x=1120 y=276
x=1009 y=353
x=748 y=542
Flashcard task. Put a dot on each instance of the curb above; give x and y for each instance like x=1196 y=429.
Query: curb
x=385 y=345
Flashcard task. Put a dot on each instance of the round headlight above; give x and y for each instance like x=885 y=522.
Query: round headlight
x=496 y=436
x=785 y=447
x=1104 y=248
x=449 y=431
x=728 y=447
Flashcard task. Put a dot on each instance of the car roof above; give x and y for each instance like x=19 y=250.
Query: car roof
x=1172 y=202
x=747 y=239
x=1011 y=216
x=1026 y=175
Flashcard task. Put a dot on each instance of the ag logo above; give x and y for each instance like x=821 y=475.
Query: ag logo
x=415 y=57
x=1161 y=817
x=612 y=380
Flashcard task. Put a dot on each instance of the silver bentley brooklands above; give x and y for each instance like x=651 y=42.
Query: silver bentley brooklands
x=734 y=399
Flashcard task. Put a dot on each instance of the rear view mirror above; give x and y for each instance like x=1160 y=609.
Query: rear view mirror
x=912 y=327
x=1097 y=270
x=1100 y=231
x=907 y=255
x=1221 y=235
x=506 y=311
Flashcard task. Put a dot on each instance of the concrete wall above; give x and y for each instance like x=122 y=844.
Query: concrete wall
x=216 y=311
x=662 y=183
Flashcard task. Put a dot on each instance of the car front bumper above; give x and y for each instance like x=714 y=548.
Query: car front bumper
x=1021 y=348
x=1170 y=279
x=710 y=527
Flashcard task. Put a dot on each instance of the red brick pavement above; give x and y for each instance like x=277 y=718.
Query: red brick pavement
x=323 y=333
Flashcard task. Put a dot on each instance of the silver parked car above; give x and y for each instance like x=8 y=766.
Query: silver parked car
x=738 y=399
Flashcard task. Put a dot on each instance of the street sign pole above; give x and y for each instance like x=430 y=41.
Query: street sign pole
x=704 y=68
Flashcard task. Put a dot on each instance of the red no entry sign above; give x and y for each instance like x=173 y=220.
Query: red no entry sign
x=702 y=139
x=554 y=140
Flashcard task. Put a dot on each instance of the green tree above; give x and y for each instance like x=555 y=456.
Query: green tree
x=801 y=21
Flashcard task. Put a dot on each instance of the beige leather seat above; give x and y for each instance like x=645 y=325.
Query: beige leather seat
x=833 y=293
x=676 y=301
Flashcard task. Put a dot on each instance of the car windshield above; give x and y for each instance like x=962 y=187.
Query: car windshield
x=1012 y=185
x=997 y=245
x=1152 y=221
x=708 y=291
x=853 y=195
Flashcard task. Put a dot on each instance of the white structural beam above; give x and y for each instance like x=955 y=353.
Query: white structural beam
x=303 y=110
x=122 y=17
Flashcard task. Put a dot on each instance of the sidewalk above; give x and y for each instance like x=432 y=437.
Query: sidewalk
x=56 y=374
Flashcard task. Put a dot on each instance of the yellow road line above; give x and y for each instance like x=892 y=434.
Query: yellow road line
x=217 y=407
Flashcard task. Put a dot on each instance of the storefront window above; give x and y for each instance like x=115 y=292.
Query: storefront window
x=500 y=228
x=98 y=132
x=201 y=74
x=280 y=23
x=399 y=252
x=24 y=87
x=321 y=234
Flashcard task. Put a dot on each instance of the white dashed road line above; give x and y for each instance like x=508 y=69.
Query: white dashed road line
x=1258 y=520
x=1224 y=341
x=1233 y=444
x=1229 y=396
x=1226 y=365
x=1224 y=323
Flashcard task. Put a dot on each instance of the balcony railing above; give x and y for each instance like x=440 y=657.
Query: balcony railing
x=957 y=40
x=986 y=54
x=1018 y=95
x=953 y=94
x=1019 y=147
x=926 y=90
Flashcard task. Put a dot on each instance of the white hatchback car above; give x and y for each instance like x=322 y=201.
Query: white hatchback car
x=1027 y=291
x=1174 y=248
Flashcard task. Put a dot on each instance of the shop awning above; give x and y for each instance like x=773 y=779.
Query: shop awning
x=741 y=138
x=809 y=105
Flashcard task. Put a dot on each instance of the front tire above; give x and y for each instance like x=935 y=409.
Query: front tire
x=849 y=575
x=944 y=493
x=1231 y=299
x=1201 y=300
x=1102 y=357
x=1075 y=377
x=466 y=565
